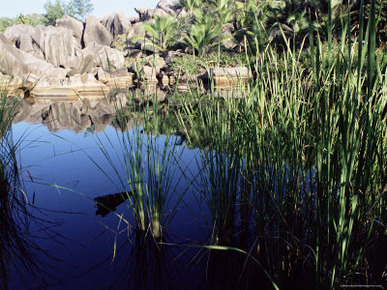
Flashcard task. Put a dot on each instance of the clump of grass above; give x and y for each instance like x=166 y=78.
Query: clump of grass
x=18 y=255
x=312 y=145
x=146 y=167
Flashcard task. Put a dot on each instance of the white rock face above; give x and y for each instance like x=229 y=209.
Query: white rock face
x=74 y=25
x=168 y=6
x=21 y=37
x=108 y=58
x=96 y=32
x=117 y=23
x=56 y=43
x=53 y=44
x=229 y=76
x=14 y=61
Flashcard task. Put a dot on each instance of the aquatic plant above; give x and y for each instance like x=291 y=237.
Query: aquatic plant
x=146 y=165
x=19 y=251
x=312 y=143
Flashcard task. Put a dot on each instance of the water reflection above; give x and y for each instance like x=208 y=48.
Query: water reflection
x=260 y=213
x=147 y=266
x=20 y=255
x=72 y=114
x=86 y=113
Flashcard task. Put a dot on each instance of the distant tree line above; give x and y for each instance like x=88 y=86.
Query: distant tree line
x=54 y=10
x=75 y=8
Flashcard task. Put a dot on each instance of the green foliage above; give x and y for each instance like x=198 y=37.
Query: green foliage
x=54 y=11
x=162 y=32
x=204 y=34
x=79 y=8
x=192 y=65
x=191 y=5
x=255 y=20
x=75 y=8
x=298 y=22
x=223 y=11
x=6 y=22
x=30 y=19
x=381 y=19
x=8 y=110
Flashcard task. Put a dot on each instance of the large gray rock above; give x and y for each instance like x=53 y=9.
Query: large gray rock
x=118 y=79
x=137 y=31
x=146 y=14
x=117 y=23
x=96 y=32
x=15 y=62
x=13 y=33
x=229 y=76
x=21 y=36
x=86 y=84
x=4 y=40
x=74 y=25
x=96 y=55
x=168 y=6
x=83 y=64
x=155 y=62
x=241 y=72
x=134 y=19
x=56 y=43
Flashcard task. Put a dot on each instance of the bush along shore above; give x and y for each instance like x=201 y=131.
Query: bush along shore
x=293 y=155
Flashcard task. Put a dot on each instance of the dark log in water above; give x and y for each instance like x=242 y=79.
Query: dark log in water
x=107 y=203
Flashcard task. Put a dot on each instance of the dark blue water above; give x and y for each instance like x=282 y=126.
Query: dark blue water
x=70 y=153
x=61 y=174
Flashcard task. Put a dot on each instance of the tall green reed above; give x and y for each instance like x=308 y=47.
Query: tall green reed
x=312 y=141
x=145 y=163
x=18 y=250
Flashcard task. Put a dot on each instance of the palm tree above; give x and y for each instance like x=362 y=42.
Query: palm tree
x=204 y=33
x=161 y=32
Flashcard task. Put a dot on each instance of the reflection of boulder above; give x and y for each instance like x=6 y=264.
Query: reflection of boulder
x=71 y=114
x=107 y=203
x=94 y=113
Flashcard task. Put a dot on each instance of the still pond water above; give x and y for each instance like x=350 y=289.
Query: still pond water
x=76 y=245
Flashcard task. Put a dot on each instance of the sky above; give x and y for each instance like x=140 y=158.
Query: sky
x=13 y=8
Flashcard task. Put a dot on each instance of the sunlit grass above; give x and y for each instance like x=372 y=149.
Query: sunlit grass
x=311 y=144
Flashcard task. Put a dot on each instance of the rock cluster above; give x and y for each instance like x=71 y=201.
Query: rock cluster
x=76 y=58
